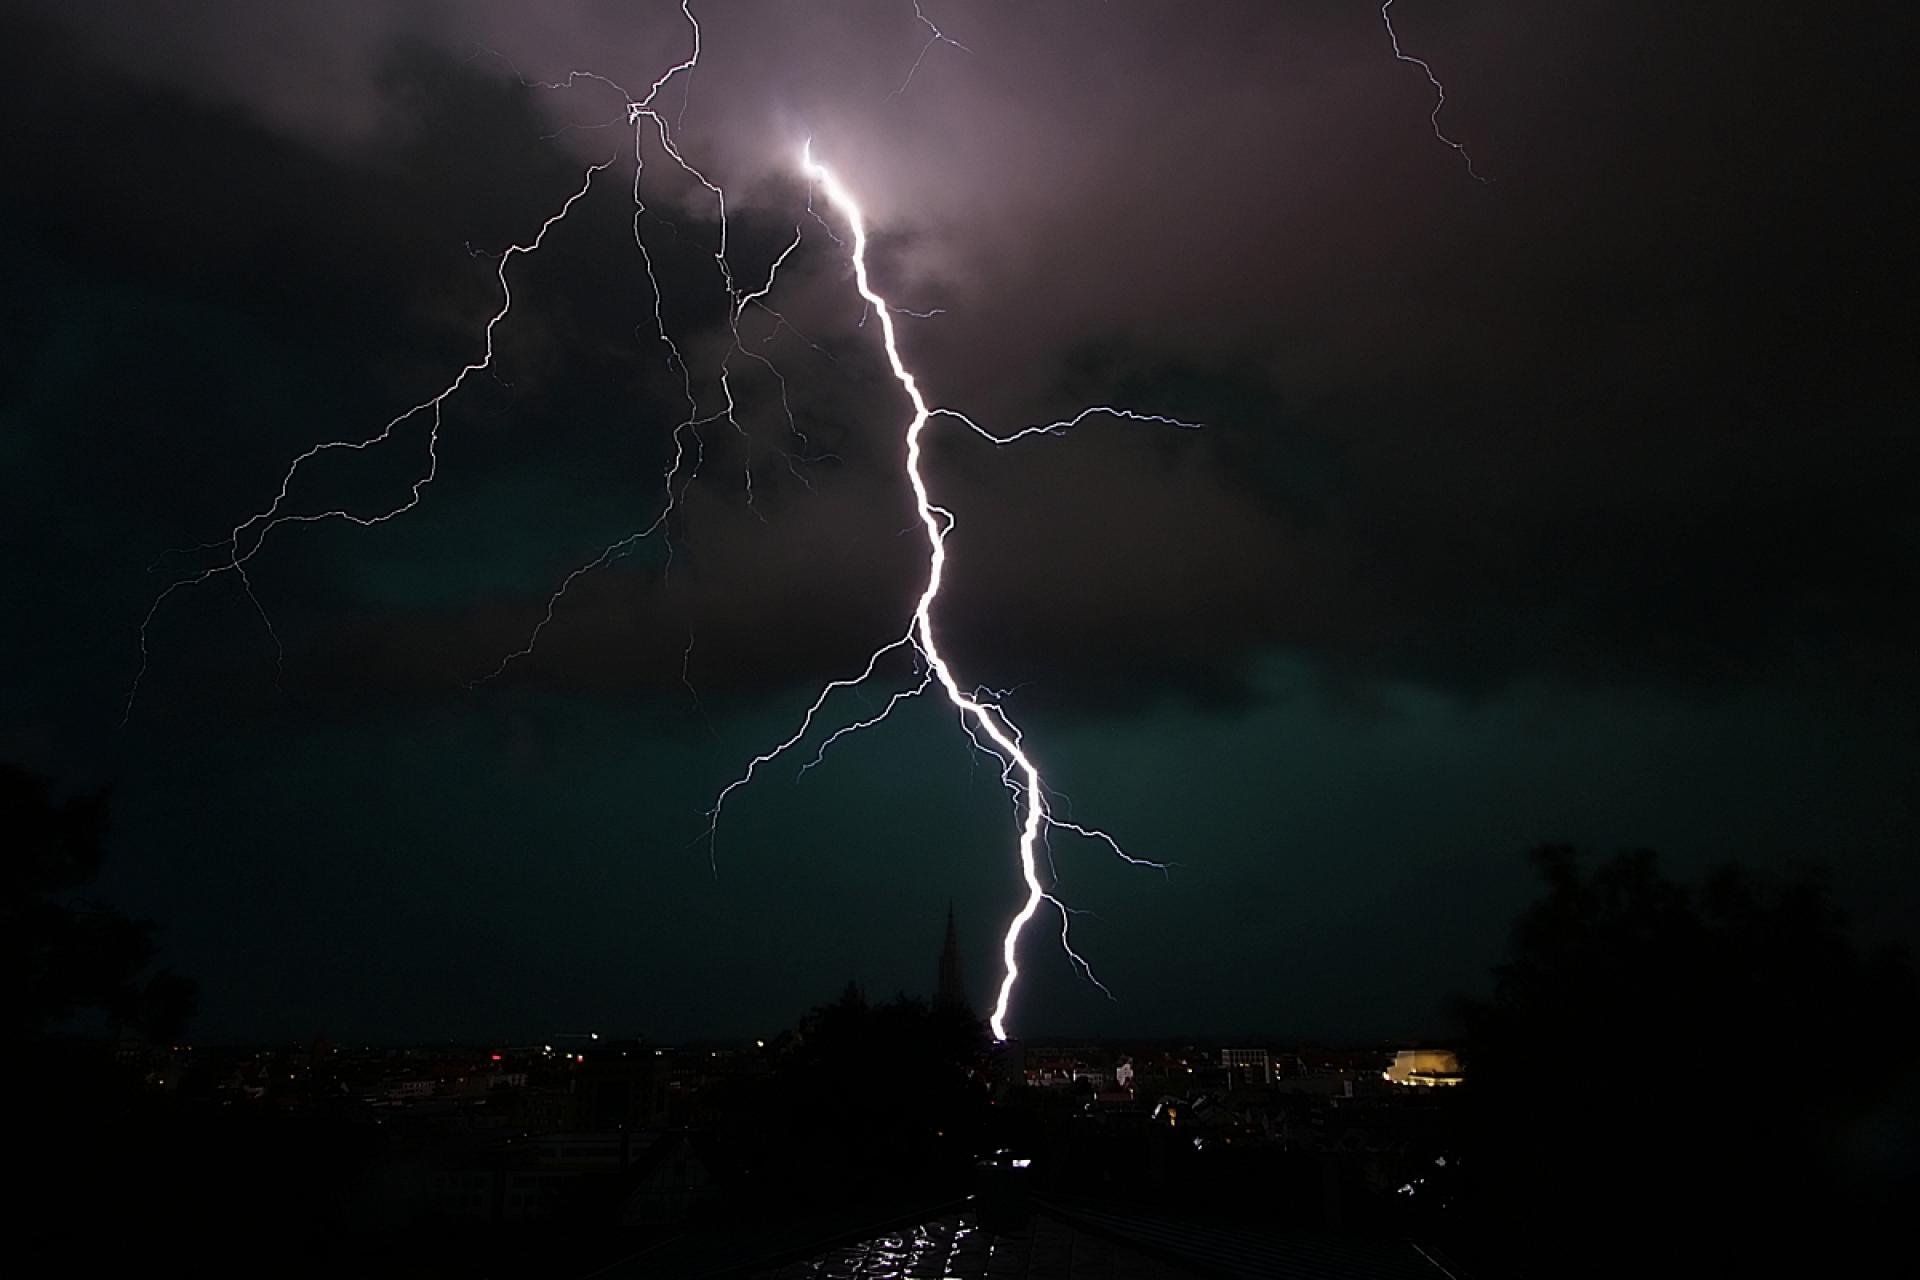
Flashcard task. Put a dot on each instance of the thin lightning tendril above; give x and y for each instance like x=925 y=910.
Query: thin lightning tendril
x=926 y=678
x=1439 y=92
x=688 y=446
x=1066 y=425
x=262 y=523
x=934 y=36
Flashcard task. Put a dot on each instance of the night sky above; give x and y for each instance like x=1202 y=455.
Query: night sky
x=1572 y=506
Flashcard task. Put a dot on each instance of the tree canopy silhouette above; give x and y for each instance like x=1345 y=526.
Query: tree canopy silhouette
x=77 y=956
x=865 y=1097
x=1711 y=1068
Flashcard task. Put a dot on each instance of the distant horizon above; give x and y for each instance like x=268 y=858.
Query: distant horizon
x=580 y=1040
x=573 y=1045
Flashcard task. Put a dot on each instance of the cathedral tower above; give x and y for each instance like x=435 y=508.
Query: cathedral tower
x=950 y=990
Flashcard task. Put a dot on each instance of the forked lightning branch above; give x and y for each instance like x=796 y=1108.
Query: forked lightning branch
x=981 y=714
x=986 y=722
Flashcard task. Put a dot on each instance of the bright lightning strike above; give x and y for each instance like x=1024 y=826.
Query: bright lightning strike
x=979 y=717
x=1439 y=92
x=982 y=717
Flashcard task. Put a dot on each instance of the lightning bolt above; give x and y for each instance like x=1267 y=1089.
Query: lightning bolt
x=688 y=445
x=934 y=36
x=982 y=718
x=1439 y=92
x=246 y=539
x=981 y=712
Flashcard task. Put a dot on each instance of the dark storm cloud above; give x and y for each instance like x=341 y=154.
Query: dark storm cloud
x=1624 y=412
x=1617 y=447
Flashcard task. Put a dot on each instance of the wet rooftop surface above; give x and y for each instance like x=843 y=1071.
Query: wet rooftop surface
x=1061 y=1243
x=956 y=1246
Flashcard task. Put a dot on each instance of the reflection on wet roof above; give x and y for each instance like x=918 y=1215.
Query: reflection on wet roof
x=1076 y=1244
x=955 y=1246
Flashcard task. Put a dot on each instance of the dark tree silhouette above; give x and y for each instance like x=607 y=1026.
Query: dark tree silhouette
x=1707 y=1074
x=863 y=1101
x=75 y=955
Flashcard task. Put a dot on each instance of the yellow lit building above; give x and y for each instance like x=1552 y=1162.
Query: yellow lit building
x=1423 y=1067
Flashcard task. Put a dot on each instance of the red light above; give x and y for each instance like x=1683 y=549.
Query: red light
x=496 y=1057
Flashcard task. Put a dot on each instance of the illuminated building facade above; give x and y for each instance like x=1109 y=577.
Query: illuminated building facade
x=1247 y=1066
x=1424 y=1067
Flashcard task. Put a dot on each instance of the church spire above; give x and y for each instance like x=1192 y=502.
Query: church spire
x=950 y=990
